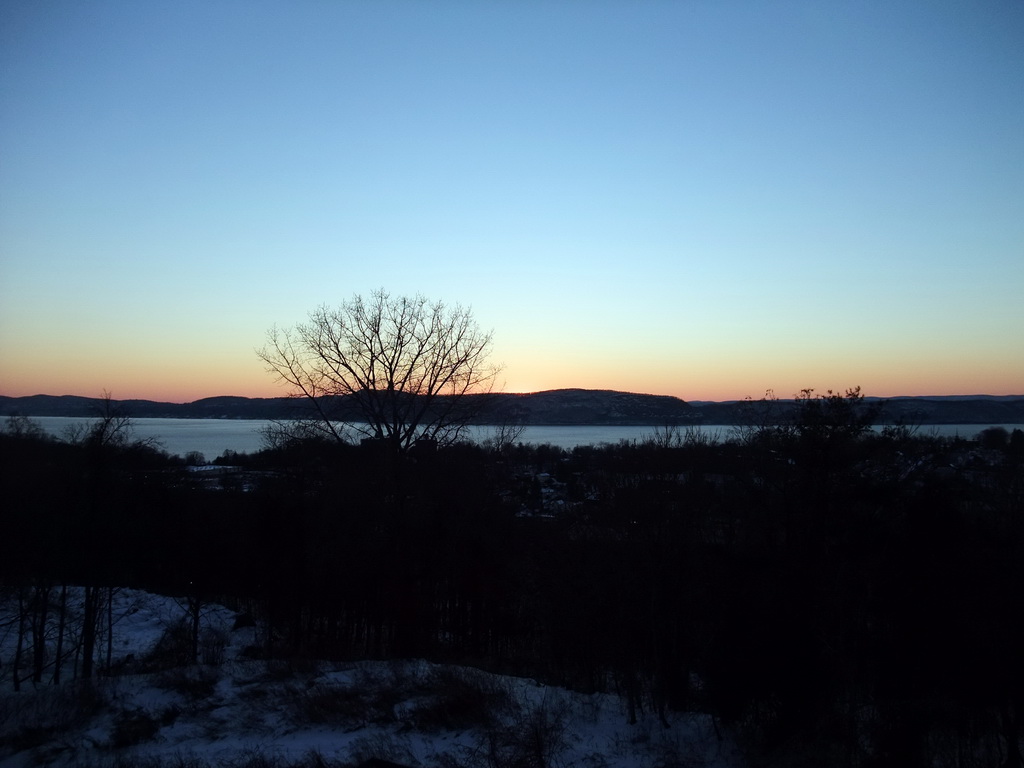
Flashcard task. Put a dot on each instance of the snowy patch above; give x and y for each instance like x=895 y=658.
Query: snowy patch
x=258 y=713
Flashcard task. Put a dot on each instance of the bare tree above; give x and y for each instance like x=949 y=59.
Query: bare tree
x=111 y=428
x=108 y=434
x=508 y=424
x=396 y=369
x=23 y=427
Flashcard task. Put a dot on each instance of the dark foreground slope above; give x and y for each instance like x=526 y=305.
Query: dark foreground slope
x=833 y=594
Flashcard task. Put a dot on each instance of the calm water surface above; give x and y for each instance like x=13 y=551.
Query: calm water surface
x=211 y=437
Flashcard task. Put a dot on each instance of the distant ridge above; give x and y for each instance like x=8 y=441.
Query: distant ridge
x=568 y=407
x=564 y=406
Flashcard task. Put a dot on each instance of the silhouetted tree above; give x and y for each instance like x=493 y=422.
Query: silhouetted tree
x=103 y=439
x=994 y=438
x=394 y=369
x=19 y=426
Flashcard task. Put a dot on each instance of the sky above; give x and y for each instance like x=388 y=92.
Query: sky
x=700 y=199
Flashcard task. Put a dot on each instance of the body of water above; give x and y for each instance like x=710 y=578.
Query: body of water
x=211 y=437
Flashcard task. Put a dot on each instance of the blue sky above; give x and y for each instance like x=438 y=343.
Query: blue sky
x=704 y=199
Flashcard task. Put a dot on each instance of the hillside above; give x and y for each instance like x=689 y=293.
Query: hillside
x=554 y=407
x=157 y=710
x=565 y=406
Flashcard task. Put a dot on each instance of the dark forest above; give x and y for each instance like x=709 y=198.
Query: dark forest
x=822 y=589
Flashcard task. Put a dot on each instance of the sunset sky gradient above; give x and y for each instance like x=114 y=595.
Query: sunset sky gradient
x=702 y=199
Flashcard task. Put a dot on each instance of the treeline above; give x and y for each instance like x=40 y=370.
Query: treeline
x=837 y=596
x=578 y=407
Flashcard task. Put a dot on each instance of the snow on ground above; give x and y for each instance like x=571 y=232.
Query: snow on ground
x=247 y=712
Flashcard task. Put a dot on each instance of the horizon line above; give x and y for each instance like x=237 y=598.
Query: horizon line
x=533 y=392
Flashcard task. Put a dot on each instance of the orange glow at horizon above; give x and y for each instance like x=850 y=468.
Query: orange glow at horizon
x=717 y=378
x=180 y=392
x=720 y=376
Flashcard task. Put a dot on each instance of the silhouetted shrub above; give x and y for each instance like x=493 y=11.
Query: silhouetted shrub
x=461 y=698
x=131 y=728
x=195 y=683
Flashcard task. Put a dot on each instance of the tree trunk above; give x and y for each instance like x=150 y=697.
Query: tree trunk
x=41 y=606
x=89 y=619
x=110 y=628
x=21 y=639
x=61 y=622
x=1011 y=734
x=194 y=606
